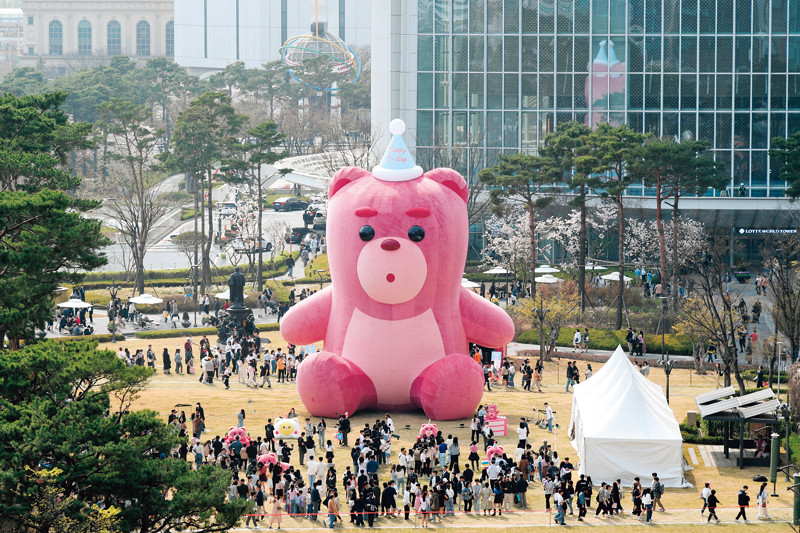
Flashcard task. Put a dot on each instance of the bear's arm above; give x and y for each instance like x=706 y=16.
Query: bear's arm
x=484 y=323
x=307 y=322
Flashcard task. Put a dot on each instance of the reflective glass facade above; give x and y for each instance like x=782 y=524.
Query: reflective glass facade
x=495 y=76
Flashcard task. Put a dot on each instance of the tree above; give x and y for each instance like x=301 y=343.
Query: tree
x=508 y=245
x=615 y=148
x=138 y=206
x=780 y=255
x=35 y=138
x=44 y=241
x=576 y=162
x=561 y=305
x=50 y=511
x=525 y=181
x=259 y=152
x=711 y=309
x=229 y=78
x=266 y=82
x=206 y=134
x=67 y=405
x=23 y=82
x=188 y=243
x=786 y=152
x=674 y=170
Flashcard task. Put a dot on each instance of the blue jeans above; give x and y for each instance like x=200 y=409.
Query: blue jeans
x=311 y=479
x=550 y=425
x=442 y=458
x=570 y=381
x=559 y=518
x=332 y=518
x=449 y=508
x=649 y=509
x=511 y=380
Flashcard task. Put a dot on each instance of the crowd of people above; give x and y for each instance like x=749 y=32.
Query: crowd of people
x=429 y=482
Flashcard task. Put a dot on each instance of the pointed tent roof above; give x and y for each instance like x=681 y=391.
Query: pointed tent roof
x=617 y=395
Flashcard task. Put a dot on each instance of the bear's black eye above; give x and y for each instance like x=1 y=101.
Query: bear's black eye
x=416 y=233
x=366 y=233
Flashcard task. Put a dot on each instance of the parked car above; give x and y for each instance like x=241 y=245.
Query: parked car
x=250 y=246
x=320 y=219
x=296 y=235
x=288 y=203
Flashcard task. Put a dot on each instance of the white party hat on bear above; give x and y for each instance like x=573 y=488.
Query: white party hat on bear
x=397 y=163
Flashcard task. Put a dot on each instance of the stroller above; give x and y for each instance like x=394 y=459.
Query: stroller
x=272 y=307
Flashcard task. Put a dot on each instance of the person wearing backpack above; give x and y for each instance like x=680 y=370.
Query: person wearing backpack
x=657 y=490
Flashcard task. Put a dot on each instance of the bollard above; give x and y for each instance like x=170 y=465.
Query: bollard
x=796 y=514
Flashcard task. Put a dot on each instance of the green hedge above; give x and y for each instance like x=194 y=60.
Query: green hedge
x=179 y=273
x=606 y=339
x=750 y=375
x=100 y=337
x=691 y=438
x=172 y=333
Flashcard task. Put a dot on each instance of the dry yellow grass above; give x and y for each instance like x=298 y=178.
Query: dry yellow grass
x=221 y=407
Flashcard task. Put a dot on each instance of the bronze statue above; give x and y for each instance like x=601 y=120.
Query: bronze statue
x=236 y=288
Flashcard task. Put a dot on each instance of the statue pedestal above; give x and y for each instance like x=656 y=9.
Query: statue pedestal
x=238 y=316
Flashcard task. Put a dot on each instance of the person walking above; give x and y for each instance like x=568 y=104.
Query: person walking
x=743 y=500
x=761 y=498
x=585 y=345
x=713 y=503
x=704 y=494
x=657 y=490
x=576 y=341
x=647 y=502
x=570 y=376
x=166 y=361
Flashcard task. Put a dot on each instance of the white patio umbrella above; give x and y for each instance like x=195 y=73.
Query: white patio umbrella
x=227 y=295
x=469 y=284
x=614 y=276
x=74 y=304
x=546 y=269
x=146 y=299
x=592 y=266
x=547 y=278
x=496 y=270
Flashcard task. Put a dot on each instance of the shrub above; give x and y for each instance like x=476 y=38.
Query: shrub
x=171 y=333
x=101 y=337
x=288 y=283
x=750 y=375
x=606 y=339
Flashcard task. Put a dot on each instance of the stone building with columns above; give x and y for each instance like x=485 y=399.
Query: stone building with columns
x=80 y=33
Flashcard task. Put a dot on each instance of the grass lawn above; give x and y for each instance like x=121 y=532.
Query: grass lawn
x=221 y=407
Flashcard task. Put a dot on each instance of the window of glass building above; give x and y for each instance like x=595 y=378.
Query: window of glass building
x=84 y=38
x=114 y=38
x=56 y=38
x=143 y=38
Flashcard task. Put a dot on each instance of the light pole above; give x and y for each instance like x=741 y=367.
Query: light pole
x=779 y=343
x=786 y=411
x=112 y=290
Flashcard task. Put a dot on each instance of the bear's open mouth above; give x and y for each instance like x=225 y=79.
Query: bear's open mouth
x=390 y=277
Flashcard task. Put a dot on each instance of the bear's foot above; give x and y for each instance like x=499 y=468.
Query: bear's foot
x=449 y=389
x=329 y=386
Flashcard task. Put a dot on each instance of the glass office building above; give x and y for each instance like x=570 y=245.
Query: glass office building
x=495 y=76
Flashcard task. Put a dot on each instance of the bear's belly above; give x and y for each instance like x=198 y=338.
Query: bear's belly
x=393 y=353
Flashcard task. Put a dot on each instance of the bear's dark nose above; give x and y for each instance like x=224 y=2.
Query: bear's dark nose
x=390 y=245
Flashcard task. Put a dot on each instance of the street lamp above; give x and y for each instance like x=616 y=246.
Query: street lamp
x=112 y=290
x=541 y=313
x=779 y=343
x=786 y=411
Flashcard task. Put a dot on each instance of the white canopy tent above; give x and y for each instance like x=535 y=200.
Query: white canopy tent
x=622 y=427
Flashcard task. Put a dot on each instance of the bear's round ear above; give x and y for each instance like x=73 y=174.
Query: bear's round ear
x=450 y=179
x=345 y=176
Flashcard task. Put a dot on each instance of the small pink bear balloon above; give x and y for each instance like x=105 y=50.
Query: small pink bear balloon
x=271 y=459
x=494 y=451
x=492 y=411
x=428 y=430
x=241 y=432
x=396 y=322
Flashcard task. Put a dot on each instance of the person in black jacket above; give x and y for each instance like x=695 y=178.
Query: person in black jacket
x=744 y=503
x=713 y=503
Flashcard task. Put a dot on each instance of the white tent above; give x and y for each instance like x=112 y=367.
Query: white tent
x=622 y=427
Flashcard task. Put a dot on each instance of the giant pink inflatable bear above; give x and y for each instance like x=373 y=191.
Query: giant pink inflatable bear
x=396 y=321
